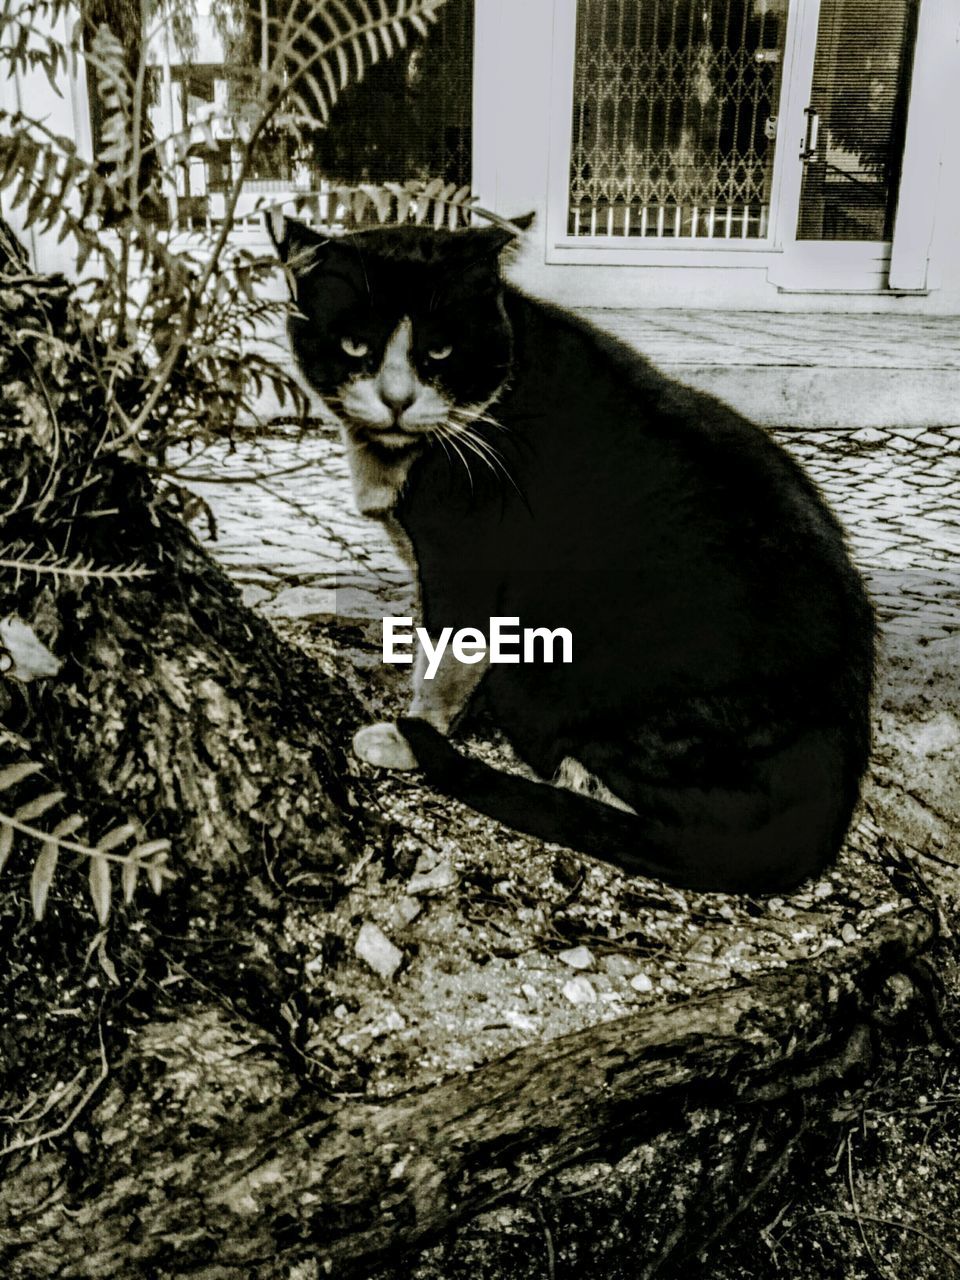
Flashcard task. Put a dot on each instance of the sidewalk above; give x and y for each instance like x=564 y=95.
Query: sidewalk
x=296 y=544
x=807 y=370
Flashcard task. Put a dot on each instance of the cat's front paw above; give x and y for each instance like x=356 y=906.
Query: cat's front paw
x=385 y=746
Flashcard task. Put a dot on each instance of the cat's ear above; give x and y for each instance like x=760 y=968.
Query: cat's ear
x=503 y=232
x=297 y=244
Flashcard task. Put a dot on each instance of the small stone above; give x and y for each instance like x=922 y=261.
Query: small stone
x=375 y=949
x=253 y=594
x=579 y=990
x=577 y=957
x=849 y=934
x=529 y=992
x=442 y=876
x=302 y=602
x=668 y=983
x=823 y=889
x=406 y=911
x=519 y=1020
x=619 y=966
x=641 y=983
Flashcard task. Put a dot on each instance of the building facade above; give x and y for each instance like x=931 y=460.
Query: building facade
x=756 y=154
x=764 y=154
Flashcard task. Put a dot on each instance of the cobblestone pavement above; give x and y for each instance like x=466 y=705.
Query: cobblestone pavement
x=288 y=532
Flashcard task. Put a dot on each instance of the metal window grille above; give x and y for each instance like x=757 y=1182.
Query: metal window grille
x=674 y=118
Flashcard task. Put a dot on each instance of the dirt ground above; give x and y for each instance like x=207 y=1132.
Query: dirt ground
x=557 y=947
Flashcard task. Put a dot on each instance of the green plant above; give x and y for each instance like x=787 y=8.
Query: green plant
x=145 y=857
x=159 y=353
x=162 y=354
x=172 y=311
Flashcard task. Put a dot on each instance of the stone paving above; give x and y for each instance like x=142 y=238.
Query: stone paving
x=288 y=532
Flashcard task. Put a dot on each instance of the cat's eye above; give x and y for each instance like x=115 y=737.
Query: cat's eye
x=439 y=353
x=355 y=349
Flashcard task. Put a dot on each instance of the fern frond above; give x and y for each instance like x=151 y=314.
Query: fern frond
x=79 y=566
x=147 y=857
x=424 y=201
x=27 y=42
x=353 y=36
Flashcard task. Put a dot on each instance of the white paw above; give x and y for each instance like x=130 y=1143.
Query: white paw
x=384 y=746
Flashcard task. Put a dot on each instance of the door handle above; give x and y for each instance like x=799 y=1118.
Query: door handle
x=812 y=136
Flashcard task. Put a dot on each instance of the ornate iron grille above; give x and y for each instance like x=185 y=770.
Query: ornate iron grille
x=674 y=118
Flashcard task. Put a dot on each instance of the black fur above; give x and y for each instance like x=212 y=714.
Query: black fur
x=723 y=643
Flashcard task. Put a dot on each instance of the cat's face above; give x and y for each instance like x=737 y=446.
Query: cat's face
x=401 y=331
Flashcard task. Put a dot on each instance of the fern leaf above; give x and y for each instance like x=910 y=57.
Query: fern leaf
x=343 y=65
x=14 y=773
x=128 y=878
x=116 y=837
x=369 y=21
x=305 y=109
x=100 y=887
x=68 y=826
x=6 y=844
x=41 y=878
x=39 y=805
x=327 y=72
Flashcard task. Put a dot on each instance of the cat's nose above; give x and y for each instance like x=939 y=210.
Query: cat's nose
x=397 y=390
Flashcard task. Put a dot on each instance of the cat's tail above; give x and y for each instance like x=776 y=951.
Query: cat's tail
x=761 y=841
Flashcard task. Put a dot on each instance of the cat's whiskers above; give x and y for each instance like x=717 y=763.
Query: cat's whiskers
x=481 y=448
x=444 y=432
x=460 y=430
x=436 y=434
x=476 y=413
x=489 y=420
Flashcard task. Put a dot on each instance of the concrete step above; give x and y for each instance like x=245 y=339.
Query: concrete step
x=806 y=370
x=790 y=370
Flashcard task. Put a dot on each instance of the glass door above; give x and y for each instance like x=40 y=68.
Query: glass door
x=844 y=126
x=856 y=119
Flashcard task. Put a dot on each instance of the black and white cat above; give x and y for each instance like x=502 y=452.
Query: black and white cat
x=539 y=469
